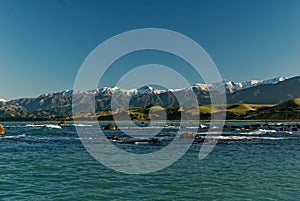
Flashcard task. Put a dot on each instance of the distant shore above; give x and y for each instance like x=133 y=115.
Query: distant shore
x=168 y=121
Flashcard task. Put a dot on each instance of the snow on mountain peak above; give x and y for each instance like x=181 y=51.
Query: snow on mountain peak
x=145 y=90
x=231 y=87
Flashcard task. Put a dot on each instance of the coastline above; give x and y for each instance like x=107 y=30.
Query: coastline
x=168 y=121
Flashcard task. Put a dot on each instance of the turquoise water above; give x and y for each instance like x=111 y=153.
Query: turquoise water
x=39 y=163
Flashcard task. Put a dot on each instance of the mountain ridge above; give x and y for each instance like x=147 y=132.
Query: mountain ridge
x=59 y=104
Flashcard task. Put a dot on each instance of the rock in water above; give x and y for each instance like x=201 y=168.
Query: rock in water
x=187 y=136
x=1 y=130
x=110 y=127
x=62 y=123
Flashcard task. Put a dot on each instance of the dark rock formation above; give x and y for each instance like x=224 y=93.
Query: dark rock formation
x=1 y=130
x=110 y=127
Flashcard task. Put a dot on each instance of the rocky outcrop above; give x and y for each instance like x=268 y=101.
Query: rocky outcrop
x=110 y=127
x=62 y=123
x=2 y=131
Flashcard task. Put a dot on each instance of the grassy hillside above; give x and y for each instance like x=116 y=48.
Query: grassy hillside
x=233 y=108
x=289 y=110
x=293 y=104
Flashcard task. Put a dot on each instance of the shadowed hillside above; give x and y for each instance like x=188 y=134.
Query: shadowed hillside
x=268 y=94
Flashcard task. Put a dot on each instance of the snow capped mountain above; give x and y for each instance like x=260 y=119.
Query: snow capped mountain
x=274 y=80
x=129 y=92
x=49 y=105
x=108 y=90
x=145 y=90
x=231 y=87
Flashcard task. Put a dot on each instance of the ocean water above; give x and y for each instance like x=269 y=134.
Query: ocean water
x=44 y=162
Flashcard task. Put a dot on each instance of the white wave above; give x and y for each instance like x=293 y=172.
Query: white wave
x=52 y=126
x=258 y=132
x=13 y=136
x=273 y=138
x=88 y=138
x=267 y=131
x=82 y=125
x=203 y=126
x=212 y=133
x=285 y=132
x=44 y=126
x=34 y=125
x=142 y=142
x=8 y=137
x=190 y=127
x=246 y=138
x=230 y=137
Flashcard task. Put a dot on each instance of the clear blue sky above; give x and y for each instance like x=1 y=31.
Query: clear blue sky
x=43 y=43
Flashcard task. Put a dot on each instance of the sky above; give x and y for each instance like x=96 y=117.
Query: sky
x=44 y=43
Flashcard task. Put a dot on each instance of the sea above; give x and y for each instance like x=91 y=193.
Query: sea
x=43 y=161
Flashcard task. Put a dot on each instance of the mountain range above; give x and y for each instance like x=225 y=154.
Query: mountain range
x=51 y=106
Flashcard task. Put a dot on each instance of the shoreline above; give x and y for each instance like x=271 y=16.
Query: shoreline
x=229 y=121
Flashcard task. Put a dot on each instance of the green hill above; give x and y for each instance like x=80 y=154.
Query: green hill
x=293 y=104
